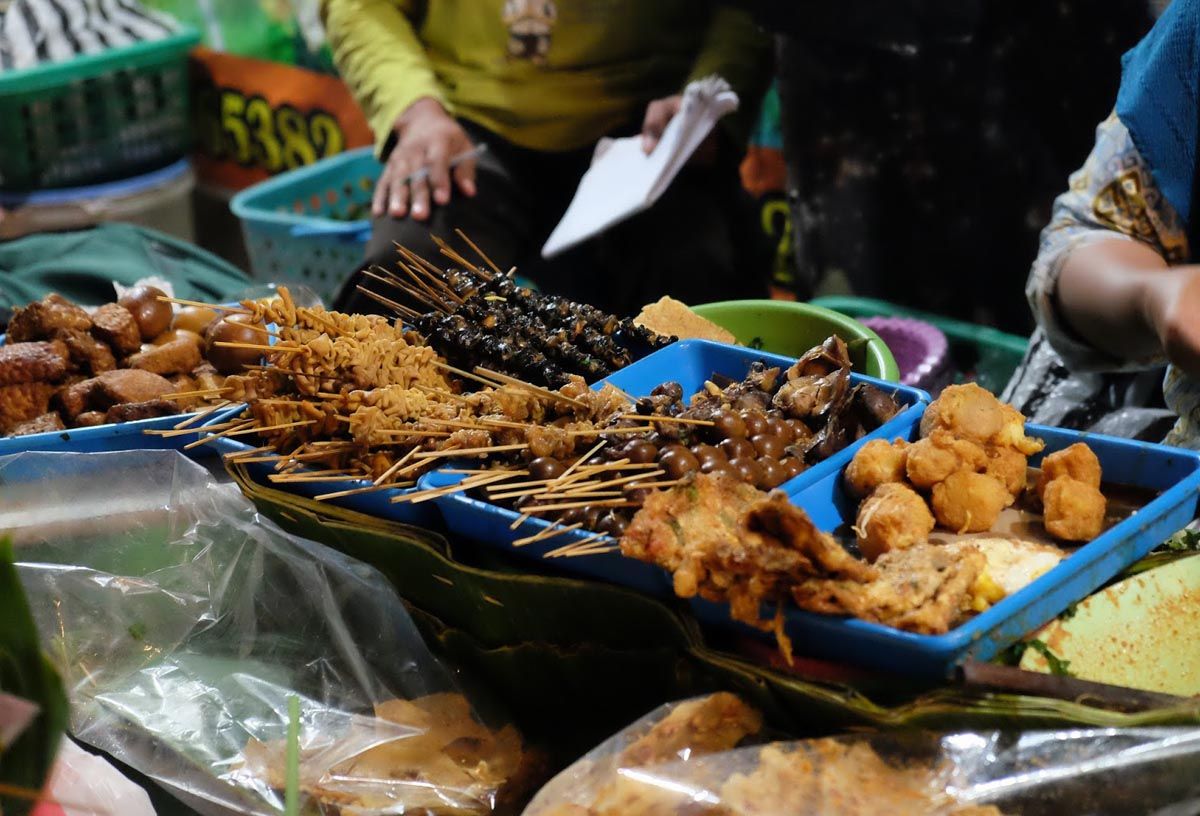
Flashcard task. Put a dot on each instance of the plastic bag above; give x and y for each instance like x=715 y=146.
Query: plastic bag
x=84 y=784
x=685 y=758
x=183 y=622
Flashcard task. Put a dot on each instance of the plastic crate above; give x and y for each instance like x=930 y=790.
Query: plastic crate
x=977 y=353
x=306 y=225
x=96 y=117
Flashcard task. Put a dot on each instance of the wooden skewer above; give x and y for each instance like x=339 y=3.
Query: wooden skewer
x=501 y=423
x=453 y=254
x=593 y=550
x=441 y=393
x=575 y=465
x=470 y=451
x=289 y=478
x=413 y=432
x=209 y=411
x=417 y=294
x=553 y=530
x=354 y=491
x=214 y=306
x=607 y=431
x=466 y=374
x=435 y=493
x=656 y=485
x=619 y=481
x=186 y=431
x=200 y=394
x=478 y=251
x=420 y=280
x=398 y=308
x=537 y=389
x=262 y=330
x=521 y=519
x=281 y=426
x=419 y=260
x=258 y=347
x=575 y=545
x=204 y=440
x=546 y=508
x=399 y=463
x=681 y=420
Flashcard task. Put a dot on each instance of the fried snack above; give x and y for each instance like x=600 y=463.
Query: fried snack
x=175 y=357
x=427 y=756
x=1077 y=462
x=133 y=411
x=937 y=456
x=46 y=422
x=969 y=502
x=705 y=725
x=90 y=419
x=115 y=325
x=1074 y=510
x=87 y=353
x=128 y=385
x=44 y=319
x=1010 y=467
x=668 y=316
x=32 y=362
x=878 y=462
x=22 y=402
x=974 y=413
x=894 y=517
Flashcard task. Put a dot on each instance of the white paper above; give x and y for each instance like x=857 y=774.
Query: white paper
x=623 y=180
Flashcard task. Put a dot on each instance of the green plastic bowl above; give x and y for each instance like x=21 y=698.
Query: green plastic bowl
x=788 y=328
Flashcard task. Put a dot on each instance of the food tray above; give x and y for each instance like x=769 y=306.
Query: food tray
x=690 y=363
x=118 y=436
x=1174 y=471
x=376 y=504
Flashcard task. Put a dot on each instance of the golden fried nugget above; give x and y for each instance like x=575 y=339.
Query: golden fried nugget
x=971 y=412
x=1010 y=467
x=877 y=462
x=894 y=517
x=968 y=502
x=1076 y=462
x=1074 y=510
x=932 y=459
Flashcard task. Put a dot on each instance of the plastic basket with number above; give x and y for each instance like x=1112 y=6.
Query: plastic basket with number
x=97 y=117
x=310 y=225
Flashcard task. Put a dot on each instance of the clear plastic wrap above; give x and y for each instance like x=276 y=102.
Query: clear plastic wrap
x=684 y=759
x=183 y=622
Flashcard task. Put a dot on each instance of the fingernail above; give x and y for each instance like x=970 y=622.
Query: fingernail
x=469 y=188
x=418 y=211
x=441 y=196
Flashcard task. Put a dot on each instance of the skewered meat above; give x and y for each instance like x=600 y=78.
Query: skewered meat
x=131 y=411
x=114 y=324
x=22 y=402
x=32 y=362
x=170 y=358
x=45 y=318
x=47 y=422
x=87 y=353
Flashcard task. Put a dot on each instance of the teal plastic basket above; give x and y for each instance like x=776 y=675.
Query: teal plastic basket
x=310 y=225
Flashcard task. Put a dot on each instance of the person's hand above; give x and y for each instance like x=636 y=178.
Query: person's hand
x=427 y=138
x=1172 y=305
x=659 y=113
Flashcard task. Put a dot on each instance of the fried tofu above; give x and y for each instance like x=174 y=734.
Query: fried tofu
x=129 y=385
x=29 y=362
x=1010 y=467
x=176 y=357
x=22 y=402
x=87 y=353
x=969 y=502
x=937 y=456
x=878 y=462
x=45 y=318
x=1074 y=510
x=133 y=411
x=115 y=325
x=45 y=423
x=1077 y=462
x=974 y=413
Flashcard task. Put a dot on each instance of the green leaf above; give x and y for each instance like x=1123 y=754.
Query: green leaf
x=1057 y=664
x=25 y=672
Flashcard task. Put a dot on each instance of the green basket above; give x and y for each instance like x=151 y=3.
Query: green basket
x=97 y=117
x=978 y=353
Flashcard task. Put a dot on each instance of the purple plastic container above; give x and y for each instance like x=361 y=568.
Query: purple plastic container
x=920 y=349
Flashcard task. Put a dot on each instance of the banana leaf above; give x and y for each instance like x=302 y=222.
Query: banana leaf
x=26 y=673
x=574 y=660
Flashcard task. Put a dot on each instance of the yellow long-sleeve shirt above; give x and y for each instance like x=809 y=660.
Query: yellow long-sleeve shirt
x=544 y=74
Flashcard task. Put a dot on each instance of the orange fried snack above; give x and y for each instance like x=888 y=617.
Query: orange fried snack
x=1074 y=510
x=706 y=725
x=1076 y=462
x=974 y=413
x=1010 y=467
x=878 y=462
x=894 y=517
x=932 y=459
x=969 y=502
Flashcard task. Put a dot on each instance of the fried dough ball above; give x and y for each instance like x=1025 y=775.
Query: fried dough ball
x=1074 y=510
x=969 y=502
x=877 y=462
x=932 y=459
x=1076 y=462
x=1009 y=467
x=974 y=413
x=894 y=517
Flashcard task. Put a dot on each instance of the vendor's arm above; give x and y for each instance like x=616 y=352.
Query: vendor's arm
x=378 y=53
x=1103 y=286
x=735 y=49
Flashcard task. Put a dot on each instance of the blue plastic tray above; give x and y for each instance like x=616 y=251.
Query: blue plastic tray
x=376 y=504
x=1173 y=471
x=690 y=363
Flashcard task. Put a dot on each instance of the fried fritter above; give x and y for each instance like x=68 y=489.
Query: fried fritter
x=974 y=413
x=45 y=318
x=894 y=517
x=129 y=385
x=934 y=458
x=1010 y=467
x=969 y=502
x=706 y=725
x=29 y=362
x=90 y=419
x=877 y=462
x=43 y=424
x=176 y=357
x=87 y=353
x=1074 y=510
x=22 y=402
x=115 y=325
x=133 y=411
x=1077 y=462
